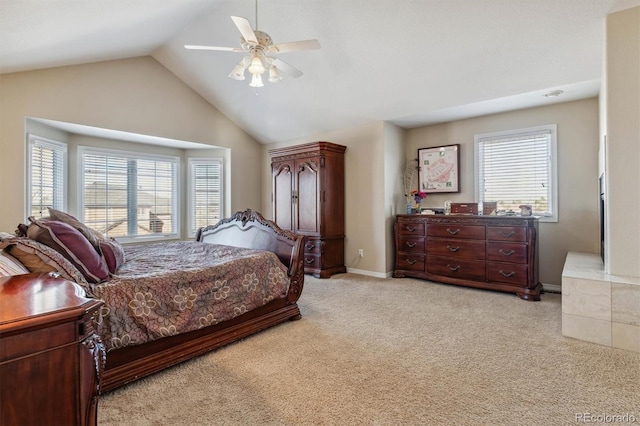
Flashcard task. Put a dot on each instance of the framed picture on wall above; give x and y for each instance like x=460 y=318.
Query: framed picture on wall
x=439 y=169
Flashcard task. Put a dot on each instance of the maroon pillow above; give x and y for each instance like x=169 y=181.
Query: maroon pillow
x=70 y=243
x=112 y=254
x=90 y=234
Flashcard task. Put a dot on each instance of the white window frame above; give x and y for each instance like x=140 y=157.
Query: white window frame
x=61 y=147
x=192 y=164
x=553 y=162
x=84 y=150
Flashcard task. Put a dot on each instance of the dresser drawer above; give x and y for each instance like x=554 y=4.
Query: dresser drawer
x=456 y=248
x=409 y=262
x=312 y=246
x=410 y=228
x=506 y=233
x=313 y=261
x=472 y=232
x=507 y=252
x=456 y=268
x=411 y=244
x=34 y=341
x=512 y=273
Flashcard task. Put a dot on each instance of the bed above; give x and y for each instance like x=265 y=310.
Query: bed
x=169 y=302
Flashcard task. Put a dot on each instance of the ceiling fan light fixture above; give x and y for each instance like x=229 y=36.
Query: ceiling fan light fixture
x=238 y=71
x=274 y=75
x=258 y=44
x=256 y=81
x=256 y=66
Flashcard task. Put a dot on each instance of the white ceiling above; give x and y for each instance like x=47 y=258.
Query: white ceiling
x=409 y=62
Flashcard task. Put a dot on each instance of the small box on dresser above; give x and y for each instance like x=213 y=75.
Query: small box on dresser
x=490 y=252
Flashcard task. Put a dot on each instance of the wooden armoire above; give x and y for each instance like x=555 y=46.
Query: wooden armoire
x=308 y=199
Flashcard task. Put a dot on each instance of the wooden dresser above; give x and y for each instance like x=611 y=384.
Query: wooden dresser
x=491 y=252
x=51 y=358
x=308 y=199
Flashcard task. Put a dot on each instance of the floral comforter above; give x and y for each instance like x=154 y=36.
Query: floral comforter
x=169 y=288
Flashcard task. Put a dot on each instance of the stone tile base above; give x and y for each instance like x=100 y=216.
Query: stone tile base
x=598 y=307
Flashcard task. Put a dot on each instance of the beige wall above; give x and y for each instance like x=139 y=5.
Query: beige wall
x=577 y=228
x=394 y=199
x=622 y=153
x=364 y=194
x=134 y=95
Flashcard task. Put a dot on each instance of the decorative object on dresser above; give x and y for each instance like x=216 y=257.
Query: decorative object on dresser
x=51 y=358
x=464 y=208
x=439 y=169
x=308 y=199
x=418 y=196
x=410 y=181
x=489 y=252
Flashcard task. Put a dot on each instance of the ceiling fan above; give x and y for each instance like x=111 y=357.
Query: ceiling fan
x=261 y=49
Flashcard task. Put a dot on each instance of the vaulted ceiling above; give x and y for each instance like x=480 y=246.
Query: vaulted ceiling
x=409 y=62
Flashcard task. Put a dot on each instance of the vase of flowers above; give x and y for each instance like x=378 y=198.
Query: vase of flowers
x=418 y=196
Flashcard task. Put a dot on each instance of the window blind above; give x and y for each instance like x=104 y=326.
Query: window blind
x=517 y=168
x=129 y=195
x=205 y=193
x=47 y=176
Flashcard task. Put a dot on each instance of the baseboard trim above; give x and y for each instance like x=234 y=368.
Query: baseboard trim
x=369 y=273
x=551 y=288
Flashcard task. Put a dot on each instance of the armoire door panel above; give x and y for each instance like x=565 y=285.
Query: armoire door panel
x=283 y=196
x=308 y=183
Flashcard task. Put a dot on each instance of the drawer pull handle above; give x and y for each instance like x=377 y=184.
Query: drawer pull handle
x=454 y=268
x=453 y=249
x=507 y=253
x=309 y=260
x=504 y=234
x=411 y=261
x=507 y=275
x=309 y=246
x=410 y=228
x=411 y=245
x=453 y=232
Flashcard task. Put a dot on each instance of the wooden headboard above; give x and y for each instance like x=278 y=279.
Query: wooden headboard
x=250 y=229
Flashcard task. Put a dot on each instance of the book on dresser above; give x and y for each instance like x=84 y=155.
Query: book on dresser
x=488 y=252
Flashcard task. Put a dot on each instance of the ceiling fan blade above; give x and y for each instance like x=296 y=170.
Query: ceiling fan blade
x=286 y=68
x=295 y=46
x=245 y=29
x=224 y=49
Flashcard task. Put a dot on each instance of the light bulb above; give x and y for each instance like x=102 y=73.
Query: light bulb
x=256 y=81
x=256 y=66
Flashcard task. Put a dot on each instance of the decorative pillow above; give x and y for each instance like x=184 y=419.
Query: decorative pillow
x=112 y=254
x=6 y=236
x=69 y=242
x=37 y=257
x=9 y=265
x=92 y=235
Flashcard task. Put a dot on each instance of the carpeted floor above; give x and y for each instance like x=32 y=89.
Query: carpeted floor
x=373 y=351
